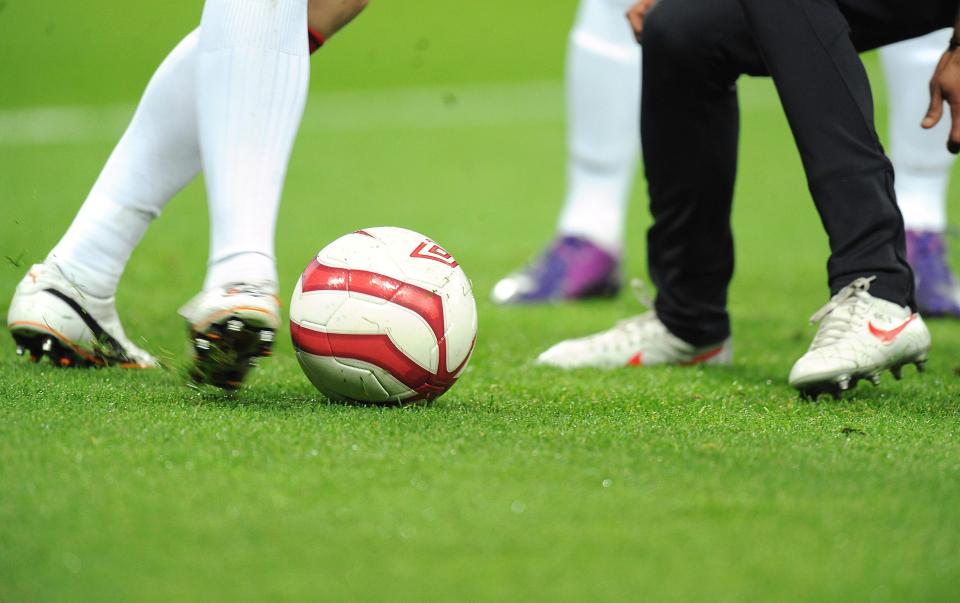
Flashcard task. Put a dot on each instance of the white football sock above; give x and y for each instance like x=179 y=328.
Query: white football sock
x=156 y=157
x=252 y=86
x=920 y=159
x=603 y=116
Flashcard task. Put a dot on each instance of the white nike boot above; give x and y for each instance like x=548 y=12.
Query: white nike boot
x=49 y=315
x=859 y=337
x=638 y=341
x=230 y=327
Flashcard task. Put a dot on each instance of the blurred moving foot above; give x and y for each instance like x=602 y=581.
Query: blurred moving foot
x=49 y=315
x=860 y=336
x=639 y=341
x=937 y=291
x=230 y=328
x=571 y=268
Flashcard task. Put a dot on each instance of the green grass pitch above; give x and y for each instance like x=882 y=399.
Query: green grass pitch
x=522 y=483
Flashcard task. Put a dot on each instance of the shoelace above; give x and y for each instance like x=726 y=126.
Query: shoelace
x=248 y=288
x=634 y=327
x=835 y=322
x=641 y=294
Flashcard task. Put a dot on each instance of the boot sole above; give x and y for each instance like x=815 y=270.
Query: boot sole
x=837 y=385
x=224 y=352
x=36 y=341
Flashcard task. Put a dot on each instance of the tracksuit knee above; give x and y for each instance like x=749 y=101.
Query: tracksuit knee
x=672 y=33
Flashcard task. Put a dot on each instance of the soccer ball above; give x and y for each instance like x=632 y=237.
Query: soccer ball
x=384 y=316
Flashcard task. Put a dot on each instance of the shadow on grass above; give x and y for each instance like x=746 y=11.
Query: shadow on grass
x=281 y=398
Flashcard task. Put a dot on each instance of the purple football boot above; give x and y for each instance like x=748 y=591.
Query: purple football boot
x=937 y=292
x=571 y=268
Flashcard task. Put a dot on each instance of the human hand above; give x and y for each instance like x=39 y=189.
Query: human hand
x=945 y=87
x=327 y=17
x=637 y=13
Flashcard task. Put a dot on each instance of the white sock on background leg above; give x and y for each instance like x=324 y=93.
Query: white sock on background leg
x=920 y=160
x=603 y=115
x=252 y=82
x=156 y=157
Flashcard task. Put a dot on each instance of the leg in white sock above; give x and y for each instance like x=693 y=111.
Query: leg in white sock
x=921 y=163
x=603 y=139
x=922 y=167
x=156 y=157
x=252 y=85
x=603 y=98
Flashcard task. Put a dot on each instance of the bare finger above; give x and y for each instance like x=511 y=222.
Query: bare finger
x=935 y=110
x=636 y=22
x=953 y=144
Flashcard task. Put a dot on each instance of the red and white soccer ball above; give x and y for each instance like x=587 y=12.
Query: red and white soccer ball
x=383 y=315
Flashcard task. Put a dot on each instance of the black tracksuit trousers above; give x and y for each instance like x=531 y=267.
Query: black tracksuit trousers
x=693 y=53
